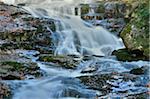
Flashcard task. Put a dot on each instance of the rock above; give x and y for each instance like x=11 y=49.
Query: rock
x=140 y=71
x=107 y=83
x=5 y=92
x=135 y=35
x=114 y=9
x=64 y=61
x=139 y=96
x=11 y=70
x=97 y=82
x=72 y=93
x=89 y=69
x=21 y=30
x=127 y=55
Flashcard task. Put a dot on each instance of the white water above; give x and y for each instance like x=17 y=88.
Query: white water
x=60 y=82
x=92 y=40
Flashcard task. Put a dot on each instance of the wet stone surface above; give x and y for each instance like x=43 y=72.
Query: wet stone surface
x=5 y=92
x=19 y=29
x=63 y=61
x=11 y=70
x=121 y=85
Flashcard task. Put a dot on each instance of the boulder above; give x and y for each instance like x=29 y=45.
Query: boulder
x=12 y=70
x=128 y=55
x=135 y=35
x=21 y=30
x=140 y=71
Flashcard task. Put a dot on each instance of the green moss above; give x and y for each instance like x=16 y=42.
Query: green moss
x=53 y=27
x=84 y=9
x=137 y=38
x=11 y=70
x=127 y=55
x=100 y=8
x=147 y=52
x=126 y=30
x=15 y=65
x=64 y=61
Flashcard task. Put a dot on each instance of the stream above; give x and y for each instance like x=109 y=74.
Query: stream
x=76 y=37
x=60 y=83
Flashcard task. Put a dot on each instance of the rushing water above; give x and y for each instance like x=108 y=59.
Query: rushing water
x=75 y=37
x=61 y=83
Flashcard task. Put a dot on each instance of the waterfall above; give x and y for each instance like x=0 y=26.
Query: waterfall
x=77 y=36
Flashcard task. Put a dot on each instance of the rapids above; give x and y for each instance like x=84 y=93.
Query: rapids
x=76 y=36
x=79 y=38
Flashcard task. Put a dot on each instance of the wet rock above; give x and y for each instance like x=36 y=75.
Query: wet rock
x=5 y=92
x=127 y=55
x=11 y=70
x=114 y=9
x=97 y=82
x=21 y=4
x=140 y=71
x=21 y=30
x=11 y=55
x=72 y=93
x=135 y=35
x=109 y=83
x=89 y=69
x=64 y=61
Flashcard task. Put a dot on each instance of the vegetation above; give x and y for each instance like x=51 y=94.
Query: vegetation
x=84 y=9
x=136 y=33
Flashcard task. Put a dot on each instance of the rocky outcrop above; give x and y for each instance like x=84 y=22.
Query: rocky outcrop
x=11 y=70
x=110 y=14
x=68 y=62
x=21 y=30
x=135 y=35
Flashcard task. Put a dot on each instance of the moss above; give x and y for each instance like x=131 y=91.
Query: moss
x=137 y=71
x=64 y=61
x=100 y=8
x=126 y=30
x=84 y=9
x=147 y=52
x=127 y=55
x=135 y=35
x=40 y=29
x=16 y=66
x=12 y=70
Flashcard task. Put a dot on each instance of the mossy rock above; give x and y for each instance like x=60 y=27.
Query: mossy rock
x=127 y=55
x=64 y=61
x=135 y=35
x=12 y=70
x=144 y=70
x=34 y=31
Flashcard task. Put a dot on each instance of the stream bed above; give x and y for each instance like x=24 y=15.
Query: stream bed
x=101 y=77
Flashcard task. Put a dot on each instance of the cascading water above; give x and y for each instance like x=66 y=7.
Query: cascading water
x=77 y=37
